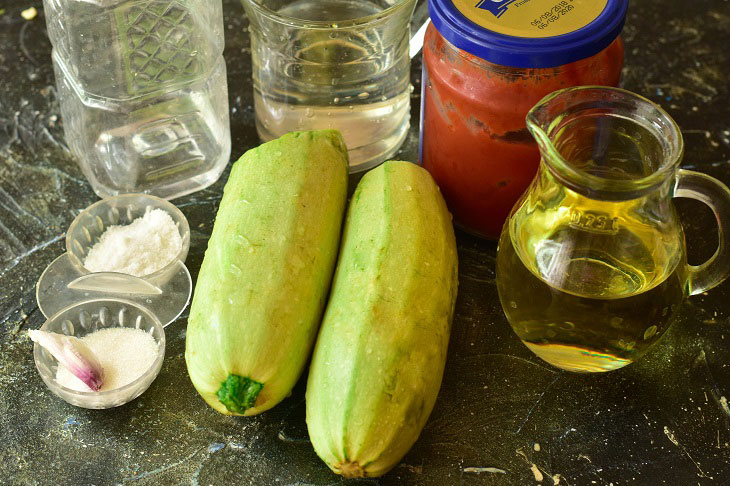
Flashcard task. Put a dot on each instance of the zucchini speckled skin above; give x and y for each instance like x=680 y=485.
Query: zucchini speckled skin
x=381 y=350
x=264 y=280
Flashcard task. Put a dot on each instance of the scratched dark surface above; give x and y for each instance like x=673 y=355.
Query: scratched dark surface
x=663 y=420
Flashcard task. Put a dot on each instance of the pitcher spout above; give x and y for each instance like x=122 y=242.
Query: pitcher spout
x=542 y=116
x=605 y=143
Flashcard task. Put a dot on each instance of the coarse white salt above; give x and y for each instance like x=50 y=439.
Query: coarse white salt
x=140 y=248
x=124 y=353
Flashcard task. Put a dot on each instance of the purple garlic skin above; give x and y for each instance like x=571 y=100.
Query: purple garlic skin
x=73 y=355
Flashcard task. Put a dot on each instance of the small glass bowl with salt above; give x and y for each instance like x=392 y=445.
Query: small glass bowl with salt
x=131 y=246
x=128 y=340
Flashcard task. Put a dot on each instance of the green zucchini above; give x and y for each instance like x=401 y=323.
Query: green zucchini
x=381 y=350
x=265 y=276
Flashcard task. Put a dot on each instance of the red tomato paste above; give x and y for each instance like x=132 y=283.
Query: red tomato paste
x=474 y=139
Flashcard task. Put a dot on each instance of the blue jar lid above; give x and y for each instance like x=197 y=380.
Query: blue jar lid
x=529 y=33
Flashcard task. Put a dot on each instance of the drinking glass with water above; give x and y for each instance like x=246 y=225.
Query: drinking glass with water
x=340 y=64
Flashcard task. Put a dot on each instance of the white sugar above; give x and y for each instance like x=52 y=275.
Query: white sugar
x=140 y=248
x=124 y=353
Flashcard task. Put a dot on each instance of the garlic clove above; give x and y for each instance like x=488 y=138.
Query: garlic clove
x=73 y=354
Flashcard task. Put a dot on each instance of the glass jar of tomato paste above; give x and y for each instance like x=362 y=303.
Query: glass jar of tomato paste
x=485 y=64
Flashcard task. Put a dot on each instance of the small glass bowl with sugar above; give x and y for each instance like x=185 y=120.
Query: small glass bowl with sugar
x=131 y=246
x=128 y=340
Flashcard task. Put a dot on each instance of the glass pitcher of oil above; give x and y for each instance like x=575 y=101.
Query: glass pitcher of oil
x=591 y=264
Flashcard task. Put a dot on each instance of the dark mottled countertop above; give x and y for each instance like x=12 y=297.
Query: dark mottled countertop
x=502 y=414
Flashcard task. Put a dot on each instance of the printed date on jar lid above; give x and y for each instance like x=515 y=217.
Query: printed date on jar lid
x=531 y=18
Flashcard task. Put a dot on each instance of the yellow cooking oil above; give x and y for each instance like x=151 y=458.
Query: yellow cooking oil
x=589 y=285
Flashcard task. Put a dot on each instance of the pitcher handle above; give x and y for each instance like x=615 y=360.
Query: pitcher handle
x=715 y=194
